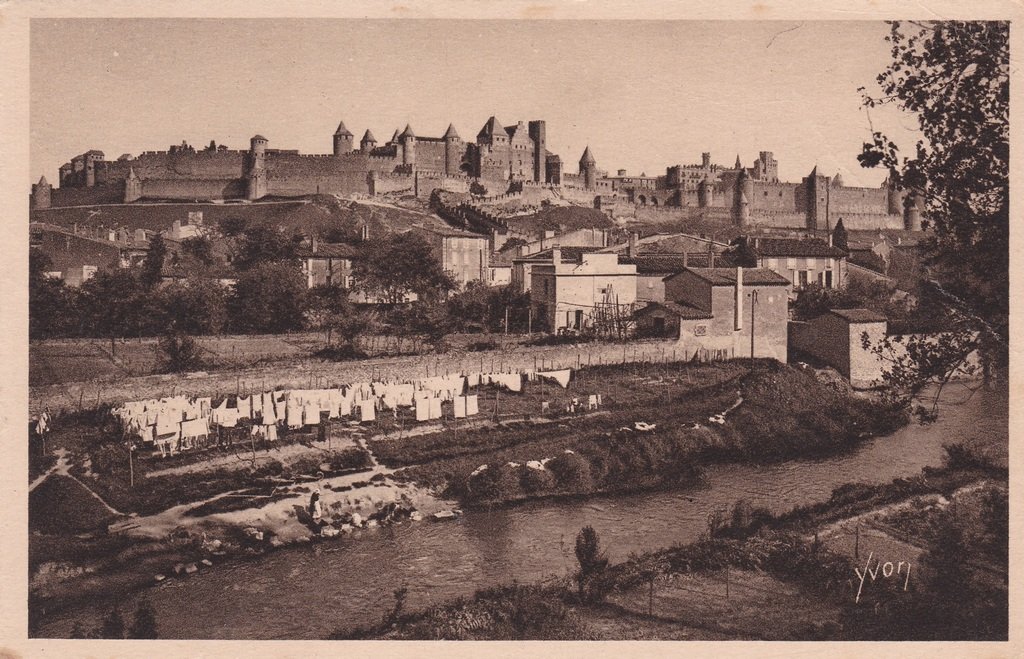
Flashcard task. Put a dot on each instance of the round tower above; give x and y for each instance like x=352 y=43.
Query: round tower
x=912 y=211
x=705 y=193
x=588 y=169
x=256 y=185
x=407 y=142
x=132 y=187
x=895 y=198
x=258 y=146
x=368 y=143
x=452 y=151
x=41 y=193
x=342 y=140
x=744 y=193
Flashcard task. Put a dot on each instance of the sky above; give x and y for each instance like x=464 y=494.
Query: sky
x=643 y=95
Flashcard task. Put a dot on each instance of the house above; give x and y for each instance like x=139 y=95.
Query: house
x=522 y=266
x=578 y=290
x=500 y=267
x=802 y=261
x=464 y=255
x=593 y=239
x=76 y=257
x=738 y=311
x=836 y=339
x=651 y=272
x=327 y=264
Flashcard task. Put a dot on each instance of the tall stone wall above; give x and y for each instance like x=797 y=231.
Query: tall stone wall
x=859 y=200
x=775 y=197
x=218 y=165
x=430 y=155
x=100 y=194
x=193 y=189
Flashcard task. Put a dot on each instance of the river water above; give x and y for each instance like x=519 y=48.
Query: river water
x=308 y=592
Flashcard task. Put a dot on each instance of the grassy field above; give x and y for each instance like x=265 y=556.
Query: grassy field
x=769 y=581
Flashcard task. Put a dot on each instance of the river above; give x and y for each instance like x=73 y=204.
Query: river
x=308 y=592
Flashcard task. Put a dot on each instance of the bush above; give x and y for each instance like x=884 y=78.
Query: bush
x=534 y=481
x=495 y=483
x=179 y=352
x=572 y=472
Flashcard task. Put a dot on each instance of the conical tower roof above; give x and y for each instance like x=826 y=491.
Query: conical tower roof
x=837 y=180
x=394 y=136
x=368 y=137
x=738 y=164
x=42 y=181
x=408 y=132
x=342 y=130
x=491 y=128
x=451 y=133
x=587 y=158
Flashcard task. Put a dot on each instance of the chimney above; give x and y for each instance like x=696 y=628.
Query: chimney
x=314 y=244
x=631 y=247
x=830 y=240
x=556 y=256
x=739 y=298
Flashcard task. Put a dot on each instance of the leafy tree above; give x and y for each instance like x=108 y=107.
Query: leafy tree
x=954 y=77
x=179 y=352
x=269 y=297
x=840 y=238
x=112 y=625
x=482 y=307
x=232 y=226
x=326 y=307
x=591 y=559
x=153 y=264
x=266 y=244
x=144 y=625
x=52 y=305
x=399 y=265
x=195 y=306
x=869 y=260
x=199 y=248
x=743 y=252
x=116 y=304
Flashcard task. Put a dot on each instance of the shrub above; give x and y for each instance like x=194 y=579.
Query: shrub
x=179 y=352
x=592 y=563
x=572 y=472
x=495 y=483
x=534 y=481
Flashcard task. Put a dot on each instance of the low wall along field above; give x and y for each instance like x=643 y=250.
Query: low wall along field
x=109 y=384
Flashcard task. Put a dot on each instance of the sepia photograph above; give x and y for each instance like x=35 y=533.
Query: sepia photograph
x=424 y=329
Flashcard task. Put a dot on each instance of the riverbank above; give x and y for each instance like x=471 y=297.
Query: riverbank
x=655 y=430
x=656 y=424
x=758 y=576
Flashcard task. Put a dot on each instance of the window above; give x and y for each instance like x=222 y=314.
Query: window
x=827 y=278
x=803 y=277
x=791 y=263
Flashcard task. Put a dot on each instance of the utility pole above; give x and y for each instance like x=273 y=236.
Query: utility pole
x=506 y=319
x=131 y=466
x=753 y=302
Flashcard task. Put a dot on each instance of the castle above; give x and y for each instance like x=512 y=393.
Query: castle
x=513 y=158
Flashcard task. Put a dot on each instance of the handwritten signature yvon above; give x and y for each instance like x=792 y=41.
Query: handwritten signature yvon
x=887 y=570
